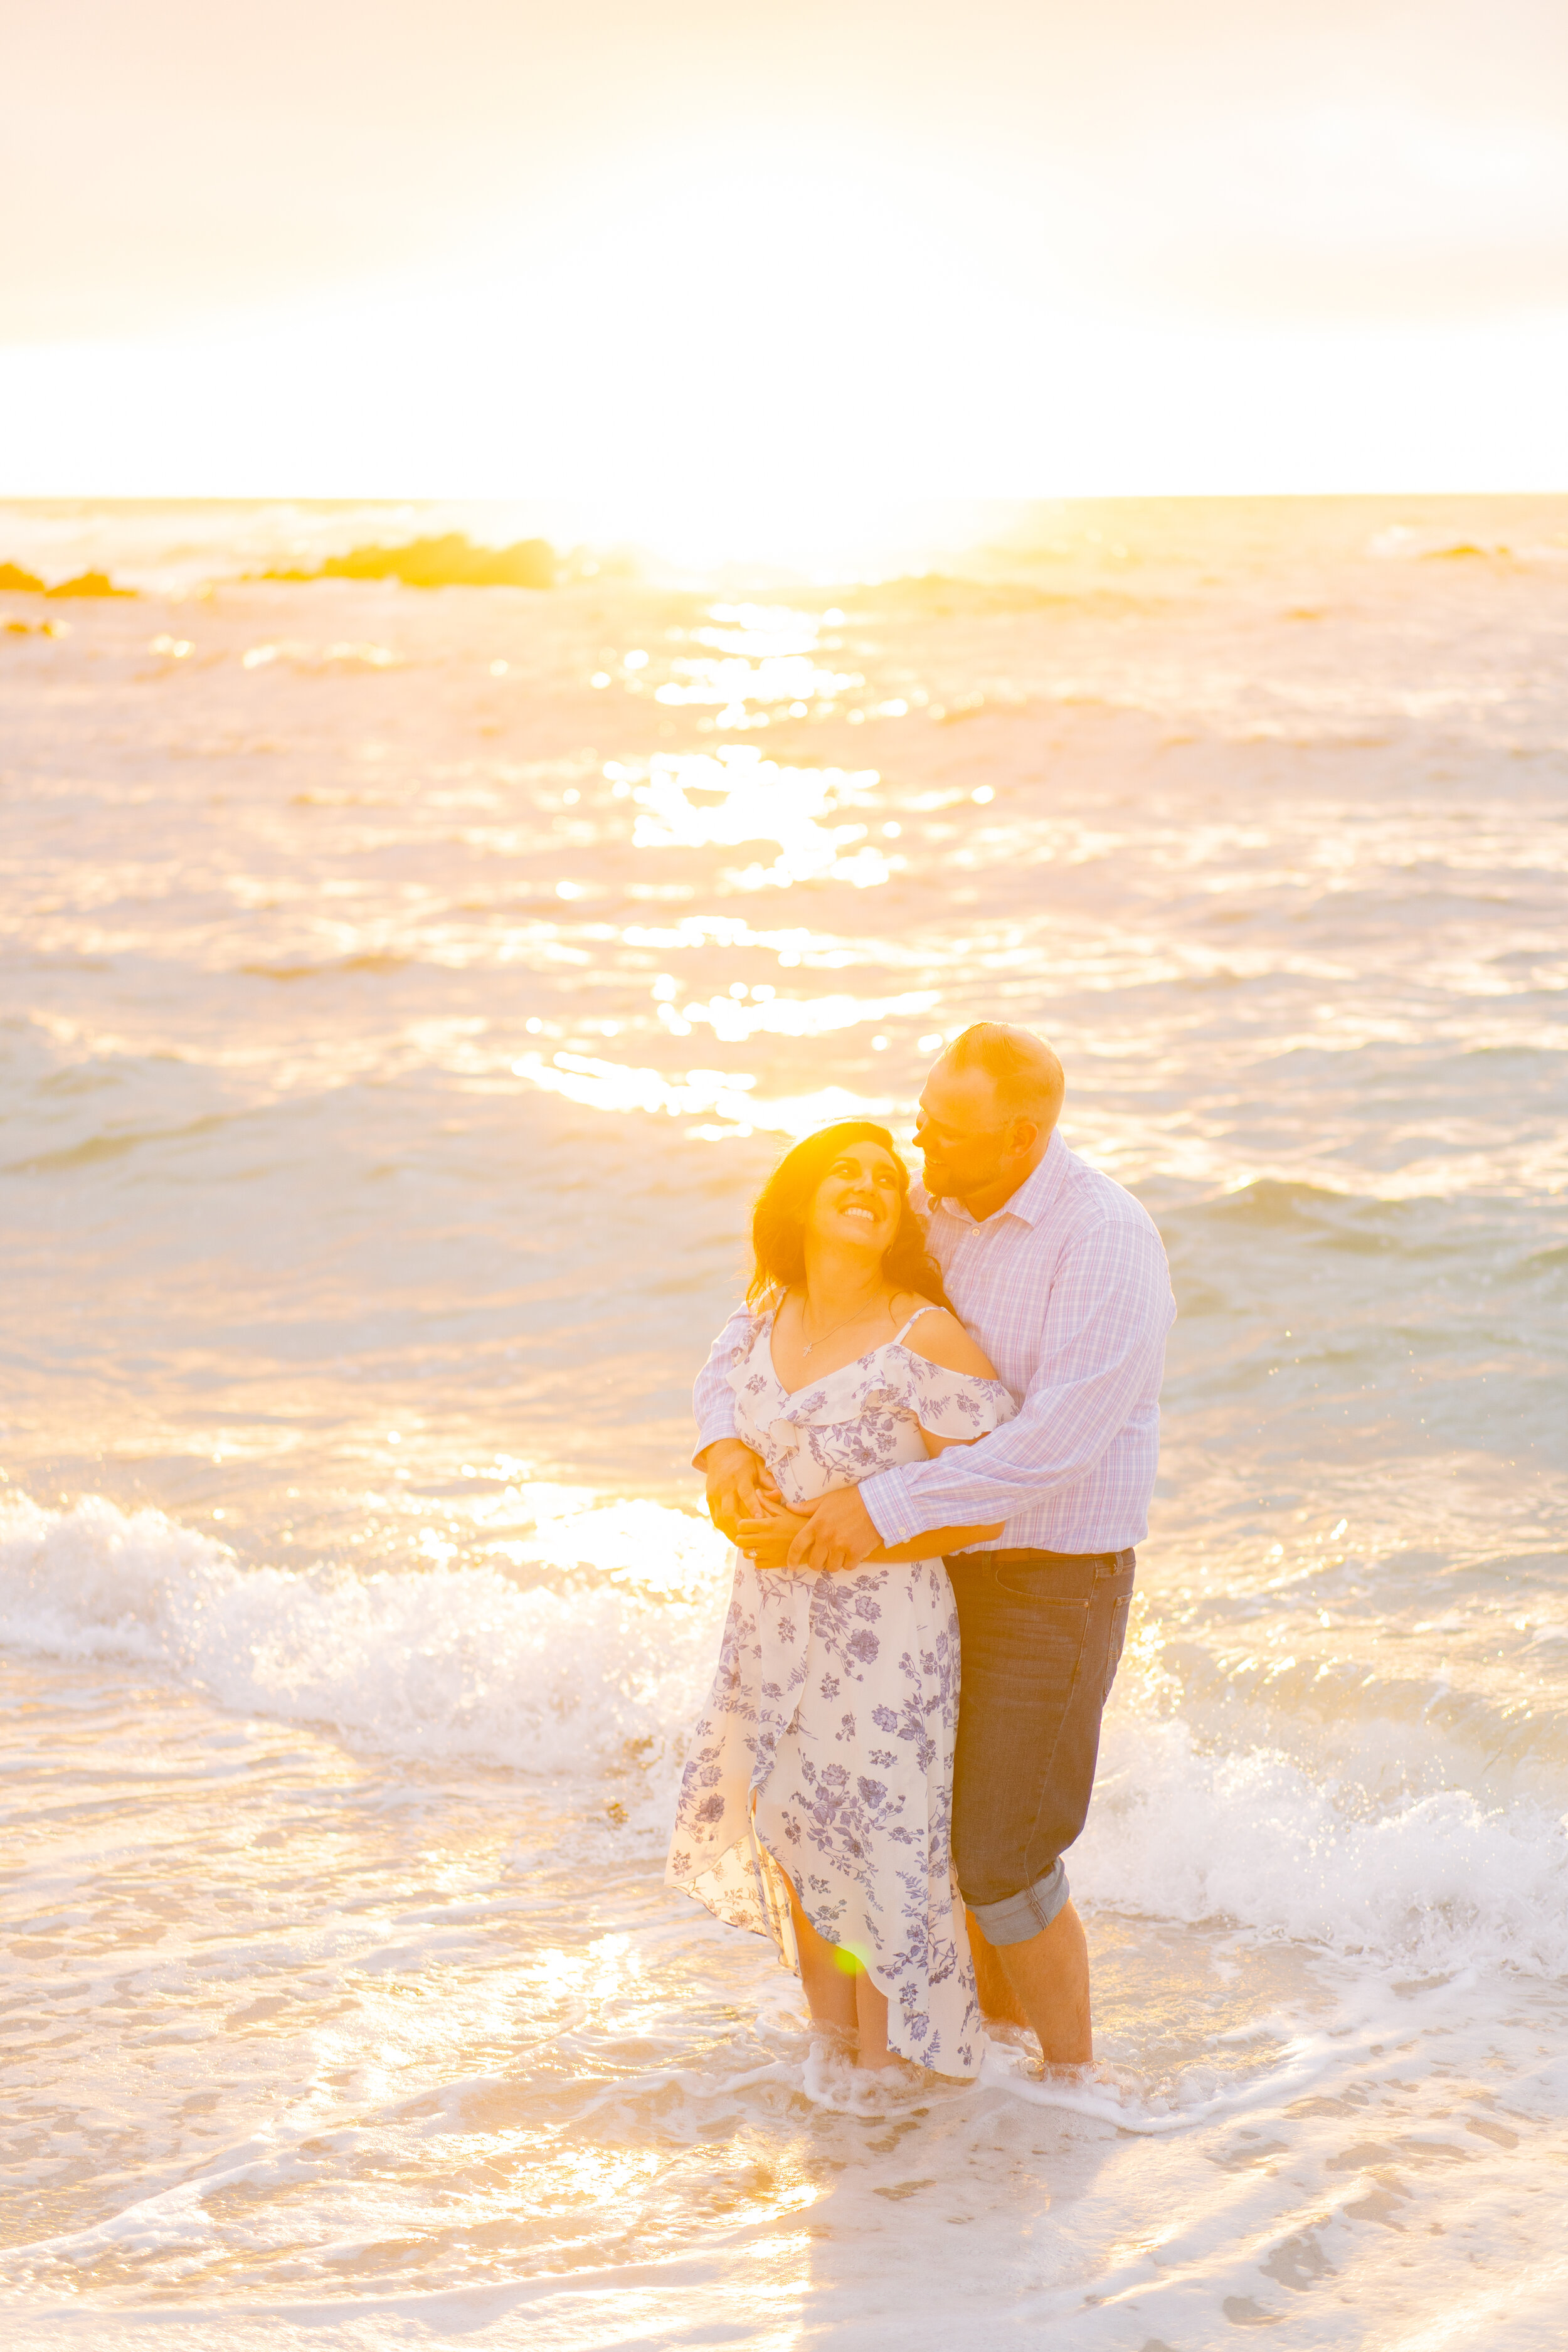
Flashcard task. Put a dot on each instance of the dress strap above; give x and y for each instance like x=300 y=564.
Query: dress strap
x=897 y=1337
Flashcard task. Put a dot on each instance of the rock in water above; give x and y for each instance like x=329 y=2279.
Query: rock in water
x=89 y=583
x=451 y=560
x=20 y=583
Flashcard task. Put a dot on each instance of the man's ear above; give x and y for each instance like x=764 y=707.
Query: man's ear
x=1026 y=1134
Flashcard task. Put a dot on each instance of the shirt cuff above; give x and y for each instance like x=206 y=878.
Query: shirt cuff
x=888 y=1500
x=717 y=1425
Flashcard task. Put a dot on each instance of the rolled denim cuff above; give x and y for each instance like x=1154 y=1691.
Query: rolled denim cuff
x=1019 y=1917
x=889 y=1503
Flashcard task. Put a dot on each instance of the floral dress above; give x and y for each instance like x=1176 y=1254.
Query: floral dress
x=826 y=1748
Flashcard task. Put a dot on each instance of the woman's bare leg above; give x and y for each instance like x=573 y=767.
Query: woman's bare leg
x=871 y=2015
x=838 y=1992
x=829 y=1986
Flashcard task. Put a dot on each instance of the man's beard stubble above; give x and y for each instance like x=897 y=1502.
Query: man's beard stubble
x=936 y=1179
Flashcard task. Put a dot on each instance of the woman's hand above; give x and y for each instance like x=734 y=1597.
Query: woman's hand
x=766 y=1539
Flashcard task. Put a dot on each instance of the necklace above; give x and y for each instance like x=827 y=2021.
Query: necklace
x=808 y=1345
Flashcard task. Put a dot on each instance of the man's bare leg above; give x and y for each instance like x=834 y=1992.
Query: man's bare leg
x=998 y=2000
x=1049 y=1976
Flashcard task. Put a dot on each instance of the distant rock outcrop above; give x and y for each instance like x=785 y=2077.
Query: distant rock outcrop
x=89 y=583
x=450 y=561
x=86 y=583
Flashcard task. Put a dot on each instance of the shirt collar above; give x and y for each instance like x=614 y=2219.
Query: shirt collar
x=1035 y=1197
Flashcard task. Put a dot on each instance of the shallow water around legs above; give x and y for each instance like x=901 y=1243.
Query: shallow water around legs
x=403 y=996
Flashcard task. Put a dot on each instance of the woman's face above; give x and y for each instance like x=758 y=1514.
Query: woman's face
x=858 y=1202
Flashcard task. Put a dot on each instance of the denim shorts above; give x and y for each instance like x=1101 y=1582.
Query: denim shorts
x=1041 y=1640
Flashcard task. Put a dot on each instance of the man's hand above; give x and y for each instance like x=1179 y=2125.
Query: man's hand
x=739 y=1487
x=839 y=1533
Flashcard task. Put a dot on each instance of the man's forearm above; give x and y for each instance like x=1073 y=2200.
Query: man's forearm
x=932 y=1545
x=712 y=1397
x=713 y=1457
x=770 y=1541
x=1056 y=1439
x=718 y=1430
x=915 y=1497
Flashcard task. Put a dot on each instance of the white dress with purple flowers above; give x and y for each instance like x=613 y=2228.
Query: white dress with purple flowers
x=826 y=1748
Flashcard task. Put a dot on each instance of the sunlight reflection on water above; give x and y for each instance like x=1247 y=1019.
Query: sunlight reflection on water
x=760 y=659
x=747 y=798
x=612 y=1085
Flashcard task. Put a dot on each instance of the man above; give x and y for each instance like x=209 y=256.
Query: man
x=1062 y=1278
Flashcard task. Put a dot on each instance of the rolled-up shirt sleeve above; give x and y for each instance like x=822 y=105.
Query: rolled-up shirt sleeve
x=1102 y=1349
x=712 y=1398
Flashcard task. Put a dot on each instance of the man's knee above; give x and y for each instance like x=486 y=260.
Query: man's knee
x=1022 y=1913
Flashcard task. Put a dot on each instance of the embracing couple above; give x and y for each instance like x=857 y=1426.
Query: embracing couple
x=932 y=1433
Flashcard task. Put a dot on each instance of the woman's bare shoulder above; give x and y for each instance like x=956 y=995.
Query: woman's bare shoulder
x=942 y=1339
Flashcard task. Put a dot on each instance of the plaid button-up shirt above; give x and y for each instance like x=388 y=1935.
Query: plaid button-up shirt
x=1068 y=1291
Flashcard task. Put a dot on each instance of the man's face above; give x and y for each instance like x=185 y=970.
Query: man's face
x=968 y=1141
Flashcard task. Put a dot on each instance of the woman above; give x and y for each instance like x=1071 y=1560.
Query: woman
x=817 y=1795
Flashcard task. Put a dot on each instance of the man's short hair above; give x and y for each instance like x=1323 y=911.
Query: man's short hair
x=1025 y=1072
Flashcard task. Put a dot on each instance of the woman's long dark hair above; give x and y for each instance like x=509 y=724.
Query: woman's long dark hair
x=778 y=1220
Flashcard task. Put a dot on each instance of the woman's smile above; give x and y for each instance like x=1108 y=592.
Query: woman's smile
x=862 y=1188
x=870 y=1213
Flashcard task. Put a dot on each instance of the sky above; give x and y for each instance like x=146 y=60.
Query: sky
x=722 y=257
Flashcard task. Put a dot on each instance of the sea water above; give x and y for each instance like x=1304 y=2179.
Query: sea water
x=405 y=995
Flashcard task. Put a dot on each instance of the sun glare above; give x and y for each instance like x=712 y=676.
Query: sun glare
x=730 y=350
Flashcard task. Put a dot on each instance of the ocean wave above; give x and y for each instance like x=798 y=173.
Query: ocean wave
x=1434 y=1883
x=429 y=1663
x=601 y=1662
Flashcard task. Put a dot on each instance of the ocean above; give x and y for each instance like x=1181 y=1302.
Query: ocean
x=405 y=993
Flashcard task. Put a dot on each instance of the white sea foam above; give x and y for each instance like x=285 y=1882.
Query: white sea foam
x=1109 y=2097
x=433 y=1662
x=1435 y=1882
